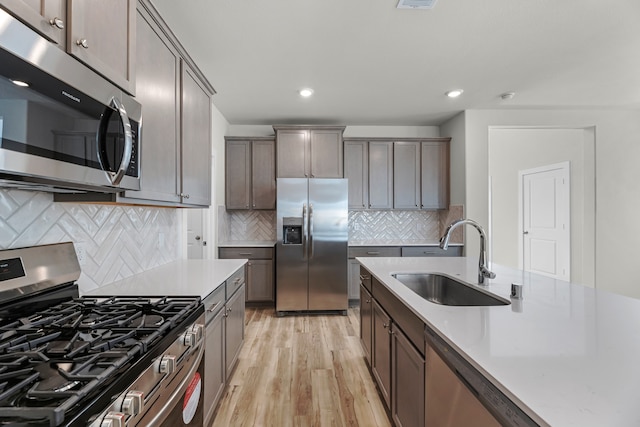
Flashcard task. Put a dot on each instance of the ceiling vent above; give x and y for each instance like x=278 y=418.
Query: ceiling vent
x=416 y=4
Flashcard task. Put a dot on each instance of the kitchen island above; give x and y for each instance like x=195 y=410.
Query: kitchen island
x=566 y=355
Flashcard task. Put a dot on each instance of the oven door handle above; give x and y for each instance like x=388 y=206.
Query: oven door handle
x=115 y=177
x=176 y=396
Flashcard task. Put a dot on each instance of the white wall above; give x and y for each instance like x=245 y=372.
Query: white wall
x=617 y=155
x=512 y=150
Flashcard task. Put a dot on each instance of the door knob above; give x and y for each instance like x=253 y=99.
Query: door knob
x=198 y=237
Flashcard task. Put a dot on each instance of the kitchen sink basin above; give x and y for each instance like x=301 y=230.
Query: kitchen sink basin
x=445 y=290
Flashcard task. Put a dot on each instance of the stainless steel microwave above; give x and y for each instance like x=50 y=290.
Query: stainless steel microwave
x=63 y=127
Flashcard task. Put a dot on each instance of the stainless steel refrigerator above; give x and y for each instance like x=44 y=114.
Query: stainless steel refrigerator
x=311 y=251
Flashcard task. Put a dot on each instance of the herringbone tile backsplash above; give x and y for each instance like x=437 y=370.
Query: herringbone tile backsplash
x=112 y=242
x=364 y=225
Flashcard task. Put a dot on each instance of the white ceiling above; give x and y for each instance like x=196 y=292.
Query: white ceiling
x=372 y=64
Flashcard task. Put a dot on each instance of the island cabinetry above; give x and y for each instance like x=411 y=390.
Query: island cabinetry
x=354 y=265
x=381 y=358
x=47 y=17
x=309 y=151
x=250 y=181
x=397 y=353
x=224 y=312
x=259 y=269
x=366 y=314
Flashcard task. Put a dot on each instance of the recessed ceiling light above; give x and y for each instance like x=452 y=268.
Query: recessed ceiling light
x=306 y=92
x=20 y=83
x=454 y=93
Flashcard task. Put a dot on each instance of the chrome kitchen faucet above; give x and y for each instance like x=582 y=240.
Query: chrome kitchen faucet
x=483 y=271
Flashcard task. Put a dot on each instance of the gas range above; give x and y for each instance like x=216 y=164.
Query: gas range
x=99 y=361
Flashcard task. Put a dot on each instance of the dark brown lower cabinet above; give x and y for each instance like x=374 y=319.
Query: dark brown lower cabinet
x=381 y=358
x=407 y=387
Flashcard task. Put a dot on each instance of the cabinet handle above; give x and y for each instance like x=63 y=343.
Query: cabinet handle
x=249 y=264
x=368 y=301
x=373 y=253
x=83 y=43
x=245 y=253
x=385 y=325
x=212 y=309
x=391 y=332
x=57 y=22
x=364 y=277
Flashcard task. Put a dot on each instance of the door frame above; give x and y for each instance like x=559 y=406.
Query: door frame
x=565 y=167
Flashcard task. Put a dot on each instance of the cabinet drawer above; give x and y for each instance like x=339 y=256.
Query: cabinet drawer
x=214 y=302
x=234 y=282
x=365 y=278
x=374 y=251
x=246 y=252
x=418 y=251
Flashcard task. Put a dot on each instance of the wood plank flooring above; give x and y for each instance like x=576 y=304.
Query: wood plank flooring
x=305 y=370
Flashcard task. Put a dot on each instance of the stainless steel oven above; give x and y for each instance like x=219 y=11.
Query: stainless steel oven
x=62 y=126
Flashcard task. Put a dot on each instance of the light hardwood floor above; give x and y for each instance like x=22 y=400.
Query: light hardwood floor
x=305 y=370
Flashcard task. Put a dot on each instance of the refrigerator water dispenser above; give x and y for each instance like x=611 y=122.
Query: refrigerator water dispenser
x=291 y=231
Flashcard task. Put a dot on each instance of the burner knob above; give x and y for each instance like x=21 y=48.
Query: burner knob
x=113 y=419
x=167 y=365
x=133 y=402
x=193 y=335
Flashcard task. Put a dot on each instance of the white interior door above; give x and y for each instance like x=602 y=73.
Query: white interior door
x=546 y=232
x=195 y=234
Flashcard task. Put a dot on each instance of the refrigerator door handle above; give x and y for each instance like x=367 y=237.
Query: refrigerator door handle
x=310 y=230
x=304 y=231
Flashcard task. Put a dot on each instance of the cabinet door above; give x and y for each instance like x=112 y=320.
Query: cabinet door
x=354 y=279
x=326 y=153
x=366 y=317
x=381 y=357
x=238 y=175
x=263 y=170
x=407 y=389
x=214 y=364
x=293 y=153
x=406 y=175
x=196 y=140
x=435 y=175
x=45 y=16
x=234 y=333
x=381 y=174
x=102 y=35
x=260 y=280
x=356 y=170
x=158 y=90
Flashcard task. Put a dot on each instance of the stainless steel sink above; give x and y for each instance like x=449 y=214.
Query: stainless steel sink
x=445 y=290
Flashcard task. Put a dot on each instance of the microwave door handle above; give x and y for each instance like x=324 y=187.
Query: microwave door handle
x=117 y=176
x=304 y=231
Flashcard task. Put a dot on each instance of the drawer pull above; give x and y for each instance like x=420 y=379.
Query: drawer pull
x=212 y=309
x=364 y=277
x=246 y=253
x=373 y=253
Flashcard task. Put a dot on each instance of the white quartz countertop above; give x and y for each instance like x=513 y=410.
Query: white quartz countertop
x=247 y=243
x=179 y=278
x=398 y=242
x=566 y=354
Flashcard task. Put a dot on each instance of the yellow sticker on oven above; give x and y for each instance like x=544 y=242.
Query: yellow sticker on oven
x=191 y=399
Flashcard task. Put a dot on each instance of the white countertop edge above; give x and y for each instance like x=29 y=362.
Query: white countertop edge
x=357 y=243
x=247 y=244
x=178 y=278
